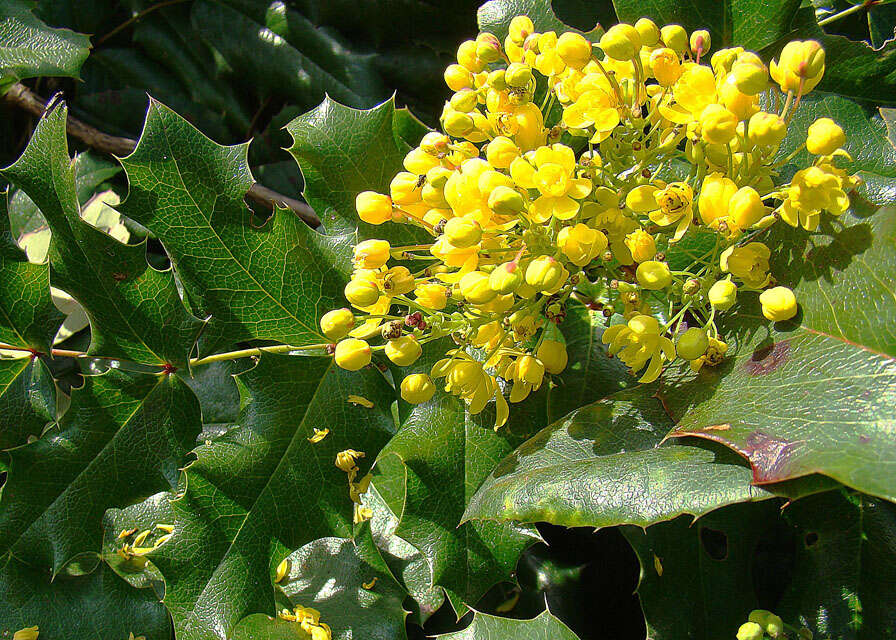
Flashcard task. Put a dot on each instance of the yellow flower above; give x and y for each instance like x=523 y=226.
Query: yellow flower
x=28 y=633
x=745 y=209
x=520 y=28
x=641 y=245
x=405 y=188
x=741 y=104
x=431 y=295
x=767 y=129
x=666 y=66
x=346 y=461
x=574 y=49
x=675 y=37
x=552 y=354
x=417 y=388
x=581 y=244
x=664 y=206
x=653 y=275
x=403 y=351
x=362 y=290
x=544 y=273
x=548 y=61
x=778 y=304
x=692 y=344
x=800 y=66
x=693 y=92
x=649 y=32
x=621 y=42
x=462 y=232
x=465 y=378
x=553 y=174
x=722 y=294
x=813 y=190
x=373 y=208
x=750 y=73
x=749 y=263
x=397 y=281
x=715 y=194
x=352 y=354
x=475 y=288
x=825 y=137
x=337 y=323
x=501 y=151
x=639 y=343
x=371 y=254
x=319 y=434
x=714 y=355
x=717 y=124
x=593 y=109
x=506 y=278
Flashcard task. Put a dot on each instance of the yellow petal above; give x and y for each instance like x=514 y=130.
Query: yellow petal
x=564 y=208
x=642 y=199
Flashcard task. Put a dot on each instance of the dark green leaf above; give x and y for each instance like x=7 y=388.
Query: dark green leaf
x=27 y=400
x=29 y=48
x=495 y=16
x=486 y=627
x=98 y=606
x=123 y=438
x=267 y=281
x=135 y=311
x=262 y=489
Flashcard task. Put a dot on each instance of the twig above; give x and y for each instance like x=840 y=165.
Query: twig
x=136 y=17
x=22 y=97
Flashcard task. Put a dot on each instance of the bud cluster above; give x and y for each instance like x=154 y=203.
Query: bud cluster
x=544 y=179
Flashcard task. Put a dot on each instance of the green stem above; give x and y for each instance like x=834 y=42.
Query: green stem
x=845 y=13
x=248 y=353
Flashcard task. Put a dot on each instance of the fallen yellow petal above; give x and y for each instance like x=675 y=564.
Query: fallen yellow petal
x=360 y=400
x=319 y=434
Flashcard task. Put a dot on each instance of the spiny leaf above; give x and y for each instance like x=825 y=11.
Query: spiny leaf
x=495 y=16
x=134 y=310
x=27 y=400
x=123 y=438
x=485 y=627
x=29 y=48
x=137 y=518
x=262 y=489
x=255 y=281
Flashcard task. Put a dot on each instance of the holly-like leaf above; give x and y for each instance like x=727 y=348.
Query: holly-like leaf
x=604 y=465
x=494 y=17
x=267 y=281
x=484 y=627
x=135 y=311
x=342 y=152
x=29 y=48
x=347 y=581
x=815 y=394
x=124 y=437
x=263 y=489
x=97 y=606
x=122 y=526
x=27 y=400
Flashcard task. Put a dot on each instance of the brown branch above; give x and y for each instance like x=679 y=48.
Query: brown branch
x=23 y=98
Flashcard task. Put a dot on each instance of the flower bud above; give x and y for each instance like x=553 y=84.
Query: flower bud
x=675 y=37
x=801 y=61
x=464 y=100
x=474 y=288
x=653 y=275
x=373 y=208
x=621 y=42
x=521 y=27
x=772 y=624
x=722 y=61
x=750 y=631
x=518 y=75
x=666 y=66
x=405 y=188
x=371 y=254
x=457 y=78
x=488 y=47
x=553 y=355
x=496 y=80
x=749 y=263
x=506 y=278
x=574 y=49
x=745 y=208
x=740 y=104
x=700 y=42
x=352 y=354
x=641 y=245
x=778 y=304
x=457 y=124
x=750 y=74
x=417 y=388
x=767 y=129
x=717 y=124
x=361 y=292
x=715 y=193
x=722 y=294
x=581 y=244
x=398 y=281
x=544 y=273
x=435 y=143
x=403 y=351
x=825 y=137
x=462 y=232
x=431 y=295
x=649 y=32
x=529 y=369
x=506 y=201
x=501 y=151
x=28 y=633
x=692 y=344
x=467 y=58
x=337 y=323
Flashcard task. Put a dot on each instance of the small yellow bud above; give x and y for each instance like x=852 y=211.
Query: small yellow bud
x=464 y=101
x=553 y=355
x=405 y=188
x=28 y=633
x=346 y=461
x=772 y=624
x=417 y=388
x=457 y=124
x=496 y=80
x=718 y=125
x=800 y=61
x=825 y=137
x=373 y=208
x=337 y=323
x=457 y=78
x=581 y=244
x=666 y=66
x=778 y=304
x=506 y=278
x=723 y=60
x=750 y=631
x=361 y=292
x=403 y=351
x=649 y=32
x=282 y=570
x=745 y=209
x=715 y=193
x=435 y=143
x=700 y=42
x=692 y=344
x=574 y=49
x=722 y=294
x=544 y=273
x=621 y=42
x=431 y=296
x=371 y=254
x=518 y=75
x=675 y=37
x=740 y=104
x=467 y=58
x=641 y=245
x=462 y=232
x=501 y=151
x=529 y=369
x=506 y=201
x=521 y=27
x=750 y=73
x=398 y=281
x=488 y=47
x=474 y=288
x=352 y=354
x=767 y=129
x=653 y=275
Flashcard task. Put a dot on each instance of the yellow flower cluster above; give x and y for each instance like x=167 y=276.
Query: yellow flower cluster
x=566 y=167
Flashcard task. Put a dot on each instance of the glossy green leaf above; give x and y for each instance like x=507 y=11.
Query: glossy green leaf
x=27 y=400
x=266 y=281
x=495 y=16
x=262 y=489
x=29 y=48
x=97 y=606
x=124 y=437
x=330 y=575
x=606 y=464
x=135 y=311
x=815 y=394
x=342 y=152
x=486 y=627
x=137 y=518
